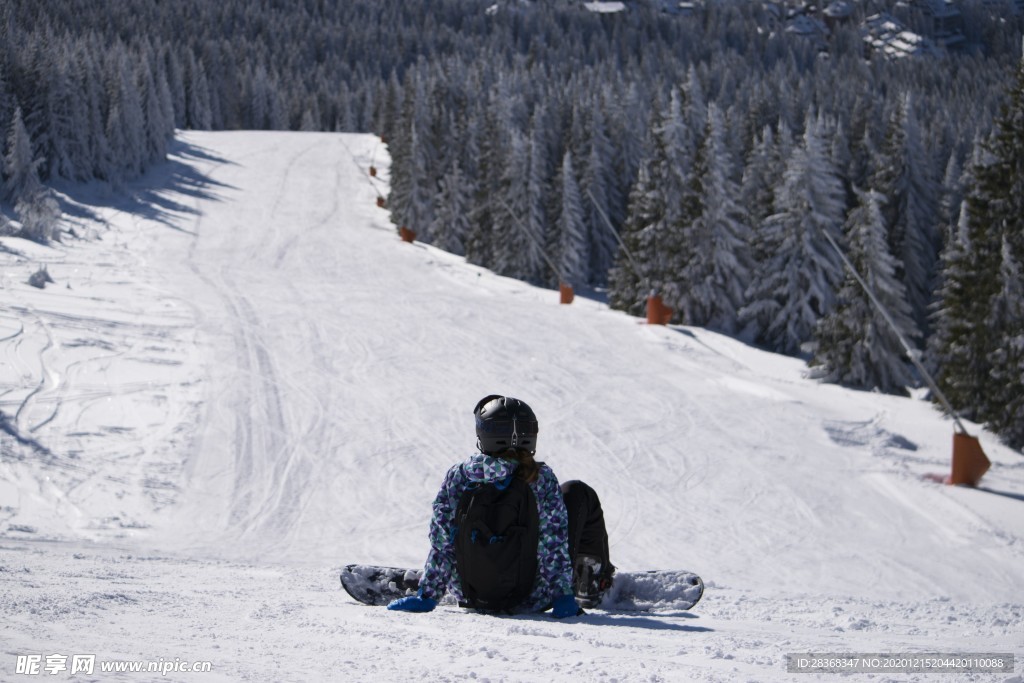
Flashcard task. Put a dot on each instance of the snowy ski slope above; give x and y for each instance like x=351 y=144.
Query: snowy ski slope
x=245 y=380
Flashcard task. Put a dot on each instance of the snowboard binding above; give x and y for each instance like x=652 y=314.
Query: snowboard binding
x=591 y=580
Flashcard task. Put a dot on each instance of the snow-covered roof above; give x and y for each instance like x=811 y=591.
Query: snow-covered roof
x=605 y=7
x=886 y=35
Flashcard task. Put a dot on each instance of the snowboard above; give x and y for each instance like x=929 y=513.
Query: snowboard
x=640 y=591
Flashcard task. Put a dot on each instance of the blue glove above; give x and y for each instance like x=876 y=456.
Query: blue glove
x=413 y=603
x=565 y=606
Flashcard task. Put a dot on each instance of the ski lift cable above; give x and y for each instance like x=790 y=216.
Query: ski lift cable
x=911 y=352
x=352 y=156
x=533 y=240
x=618 y=238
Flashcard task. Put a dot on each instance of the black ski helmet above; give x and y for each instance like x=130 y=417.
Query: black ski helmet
x=504 y=422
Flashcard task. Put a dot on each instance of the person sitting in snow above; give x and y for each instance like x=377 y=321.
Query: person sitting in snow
x=494 y=509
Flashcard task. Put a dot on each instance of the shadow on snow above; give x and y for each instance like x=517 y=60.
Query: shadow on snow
x=150 y=196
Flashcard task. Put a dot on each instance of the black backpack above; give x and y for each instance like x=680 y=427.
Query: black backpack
x=496 y=545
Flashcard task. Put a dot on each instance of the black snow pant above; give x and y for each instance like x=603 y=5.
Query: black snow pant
x=587 y=533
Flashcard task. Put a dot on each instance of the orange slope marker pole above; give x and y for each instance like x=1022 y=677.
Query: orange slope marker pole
x=657 y=312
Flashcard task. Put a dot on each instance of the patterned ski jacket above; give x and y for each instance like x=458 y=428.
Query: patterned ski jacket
x=554 y=570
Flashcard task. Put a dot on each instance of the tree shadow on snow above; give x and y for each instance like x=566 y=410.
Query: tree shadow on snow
x=153 y=196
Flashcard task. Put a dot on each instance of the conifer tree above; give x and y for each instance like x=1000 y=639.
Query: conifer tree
x=158 y=127
x=21 y=168
x=487 y=186
x=90 y=154
x=572 y=230
x=61 y=122
x=417 y=206
x=451 y=209
x=197 y=92
x=598 y=195
x=904 y=177
x=6 y=96
x=950 y=195
x=796 y=284
x=647 y=230
x=954 y=348
x=975 y=353
x=1006 y=319
x=511 y=243
x=855 y=345
x=713 y=283
x=411 y=200
x=629 y=288
x=125 y=124
x=675 y=153
x=762 y=168
x=536 y=221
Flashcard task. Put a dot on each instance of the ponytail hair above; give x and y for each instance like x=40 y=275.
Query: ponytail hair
x=528 y=469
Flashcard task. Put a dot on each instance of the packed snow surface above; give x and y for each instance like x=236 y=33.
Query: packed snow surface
x=242 y=380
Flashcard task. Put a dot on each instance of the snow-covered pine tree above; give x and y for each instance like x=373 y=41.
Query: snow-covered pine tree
x=979 y=295
x=6 y=99
x=626 y=109
x=597 y=193
x=713 y=283
x=197 y=93
x=157 y=126
x=982 y=366
x=418 y=208
x=951 y=195
x=903 y=175
x=573 y=255
x=757 y=186
x=864 y=153
x=90 y=157
x=855 y=345
x=21 y=169
x=954 y=350
x=510 y=239
x=628 y=289
x=60 y=120
x=259 y=99
x=411 y=200
x=451 y=213
x=176 y=83
x=1006 y=320
x=842 y=157
x=535 y=220
x=487 y=185
x=684 y=194
x=126 y=120
x=796 y=285
x=653 y=218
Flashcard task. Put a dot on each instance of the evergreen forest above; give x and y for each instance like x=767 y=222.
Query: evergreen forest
x=710 y=157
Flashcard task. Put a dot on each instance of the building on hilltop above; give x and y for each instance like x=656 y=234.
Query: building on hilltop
x=884 y=35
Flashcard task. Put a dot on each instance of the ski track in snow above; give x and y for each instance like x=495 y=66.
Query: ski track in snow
x=244 y=380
